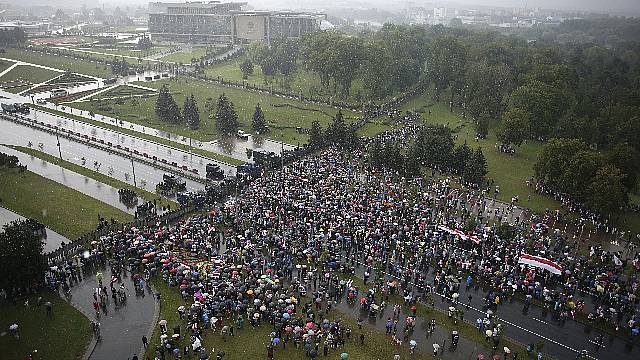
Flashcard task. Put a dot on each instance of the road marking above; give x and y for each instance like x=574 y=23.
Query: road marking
x=500 y=319
x=536 y=319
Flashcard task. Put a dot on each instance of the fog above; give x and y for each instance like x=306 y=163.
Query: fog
x=615 y=6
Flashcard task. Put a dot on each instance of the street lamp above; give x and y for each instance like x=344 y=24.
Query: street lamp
x=59 y=151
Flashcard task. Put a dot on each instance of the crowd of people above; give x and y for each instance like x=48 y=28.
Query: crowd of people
x=273 y=254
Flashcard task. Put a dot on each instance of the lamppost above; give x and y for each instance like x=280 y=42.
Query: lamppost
x=59 y=151
x=133 y=170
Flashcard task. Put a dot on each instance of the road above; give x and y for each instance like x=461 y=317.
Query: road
x=107 y=163
x=53 y=240
x=231 y=146
x=562 y=340
x=121 y=325
x=182 y=157
x=95 y=189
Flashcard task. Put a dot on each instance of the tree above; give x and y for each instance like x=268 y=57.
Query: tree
x=21 y=261
x=120 y=67
x=190 y=112
x=258 y=123
x=476 y=168
x=247 y=68
x=447 y=56
x=542 y=103
x=461 y=154
x=554 y=159
x=434 y=145
x=514 y=128
x=226 y=117
x=316 y=138
x=337 y=132
x=166 y=107
x=486 y=87
x=578 y=172
x=607 y=191
x=627 y=159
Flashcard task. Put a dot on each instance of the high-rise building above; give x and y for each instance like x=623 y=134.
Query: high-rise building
x=226 y=22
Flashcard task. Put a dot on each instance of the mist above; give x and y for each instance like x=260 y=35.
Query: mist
x=620 y=7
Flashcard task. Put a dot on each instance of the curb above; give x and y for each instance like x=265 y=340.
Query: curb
x=156 y=316
x=92 y=344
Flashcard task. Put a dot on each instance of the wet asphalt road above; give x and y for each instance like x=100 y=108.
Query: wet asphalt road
x=122 y=325
x=107 y=163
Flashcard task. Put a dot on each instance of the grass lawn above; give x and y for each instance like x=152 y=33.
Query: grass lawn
x=33 y=74
x=251 y=343
x=59 y=62
x=64 y=336
x=4 y=65
x=374 y=127
x=148 y=196
x=17 y=89
x=123 y=91
x=184 y=57
x=160 y=140
x=62 y=209
x=283 y=118
x=300 y=81
x=509 y=171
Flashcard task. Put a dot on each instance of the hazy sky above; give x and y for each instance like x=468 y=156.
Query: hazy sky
x=618 y=6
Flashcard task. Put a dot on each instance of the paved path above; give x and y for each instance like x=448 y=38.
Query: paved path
x=53 y=240
x=122 y=326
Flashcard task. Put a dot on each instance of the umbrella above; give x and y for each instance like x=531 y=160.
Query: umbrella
x=344 y=356
x=413 y=343
x=507 y=350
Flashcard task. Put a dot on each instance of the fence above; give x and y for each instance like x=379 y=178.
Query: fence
x=74 y=247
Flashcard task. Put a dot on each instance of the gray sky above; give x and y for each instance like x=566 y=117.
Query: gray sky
x=617 y=6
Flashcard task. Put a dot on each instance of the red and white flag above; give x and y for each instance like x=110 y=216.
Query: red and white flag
x=541 y=263
x=459 y=233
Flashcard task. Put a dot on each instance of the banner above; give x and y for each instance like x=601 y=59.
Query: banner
x=459 y=233
x=541 y=263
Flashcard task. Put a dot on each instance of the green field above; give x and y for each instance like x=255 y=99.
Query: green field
x=184 y=57
x=148 y=196
x=33 y=74
x=301 y=81
x=64 y=336
x=59 y=62
x=62 y=209
x=509 y=171
x=4 y=65
x=123 y=91
x=283 y=118
x=18 y=89
x=375 y=126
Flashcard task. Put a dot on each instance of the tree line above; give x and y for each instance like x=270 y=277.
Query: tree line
x=432 y=147
x=223 y=112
